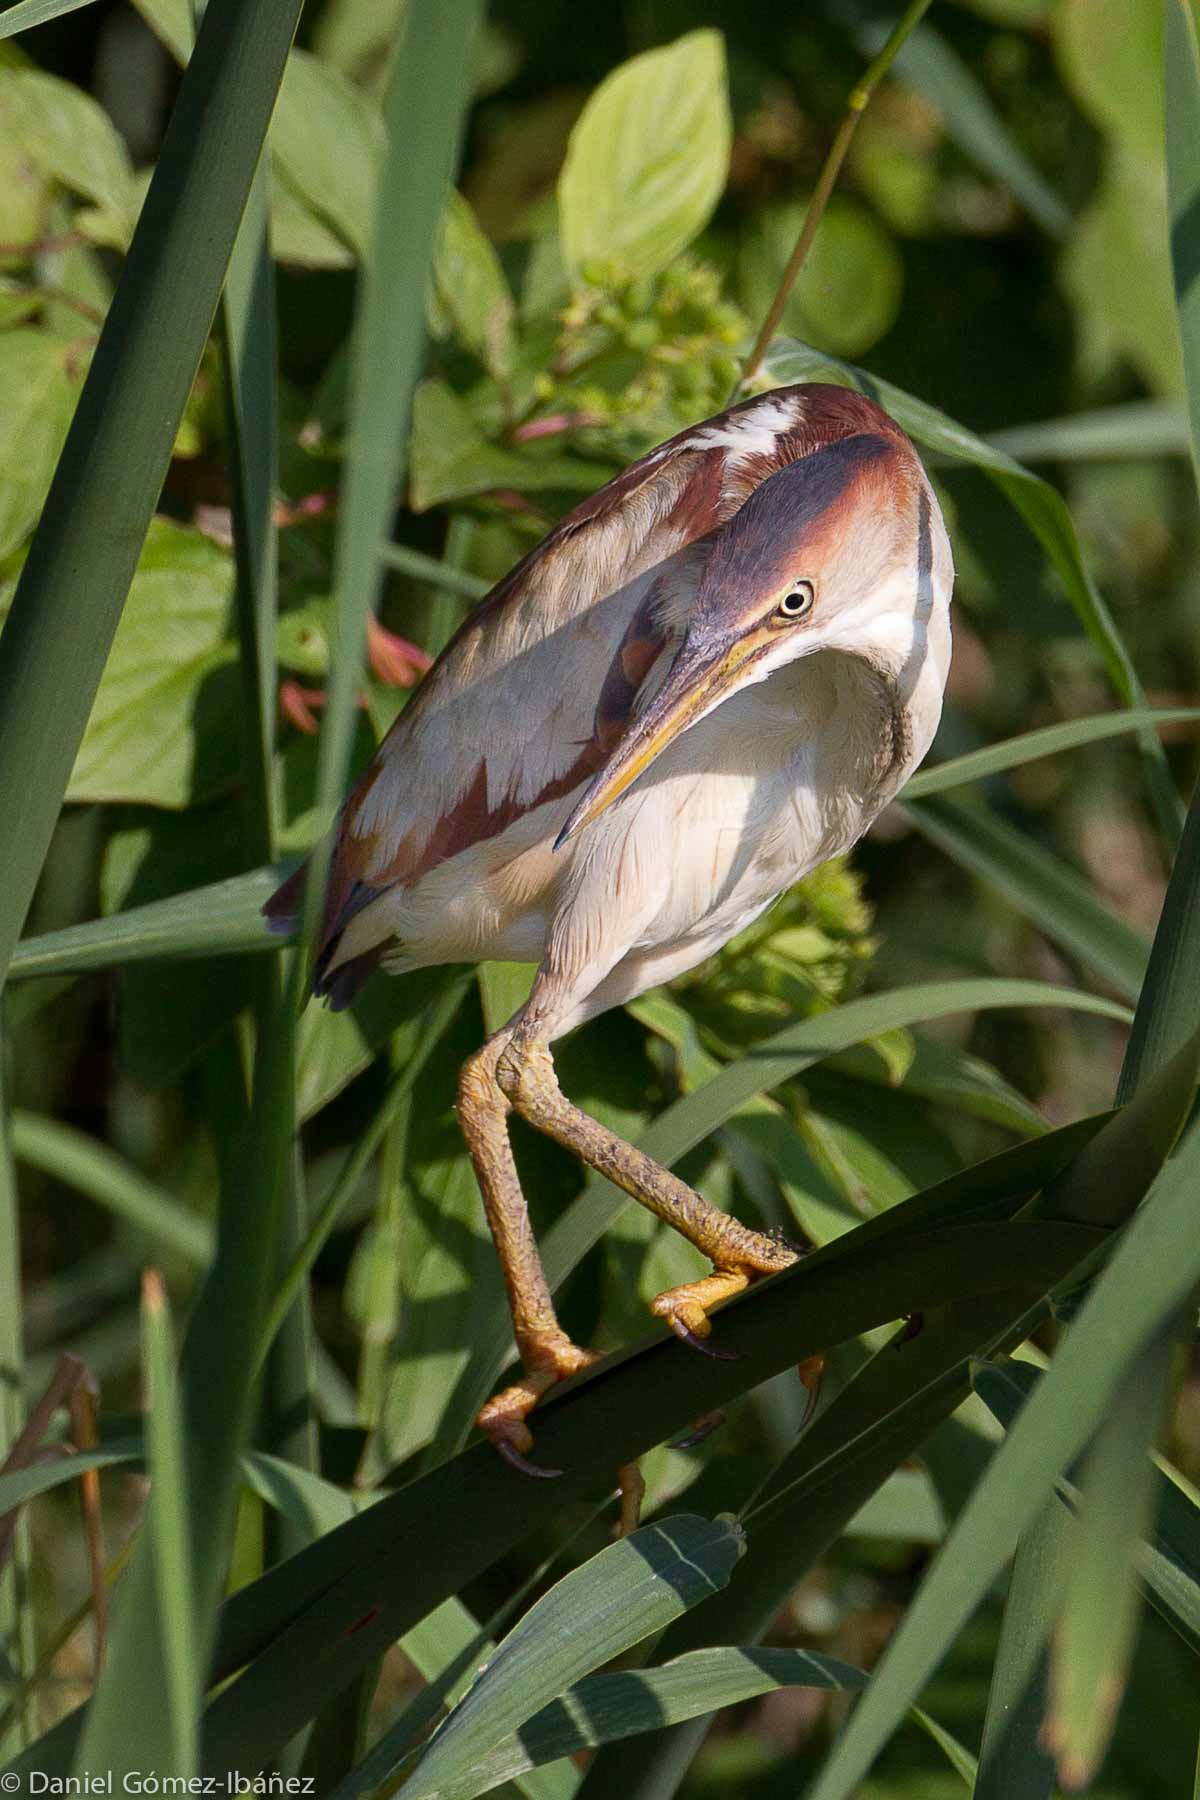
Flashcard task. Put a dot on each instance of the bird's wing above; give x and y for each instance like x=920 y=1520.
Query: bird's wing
x=522 y=703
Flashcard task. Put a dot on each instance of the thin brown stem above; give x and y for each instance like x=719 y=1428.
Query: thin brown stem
x=860 y=98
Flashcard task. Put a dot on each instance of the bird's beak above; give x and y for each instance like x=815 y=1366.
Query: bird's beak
x=696 y=682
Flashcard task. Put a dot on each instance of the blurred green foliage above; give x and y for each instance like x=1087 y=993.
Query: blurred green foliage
x=632 y=186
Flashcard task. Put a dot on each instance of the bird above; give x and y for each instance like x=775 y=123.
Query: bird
x=706 y=680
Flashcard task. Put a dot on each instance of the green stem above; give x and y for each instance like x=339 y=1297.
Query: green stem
x=860 y=98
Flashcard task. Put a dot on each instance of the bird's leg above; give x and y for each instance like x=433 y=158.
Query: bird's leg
x=547 y=1353
x=525 y=1072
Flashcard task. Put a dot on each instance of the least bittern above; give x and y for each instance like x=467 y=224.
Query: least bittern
x=709 y=678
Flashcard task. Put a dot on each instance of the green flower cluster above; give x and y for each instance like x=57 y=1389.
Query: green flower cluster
x=641 y=357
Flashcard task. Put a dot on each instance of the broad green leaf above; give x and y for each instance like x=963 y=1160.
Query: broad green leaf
x=297 y=235
x=627 y=1592
x=471 y=289
x=1049 y=892
x=326 y=135
x=1124 y=226
x=848 y=292
x=329 y=139
x=1041 y=506
x=449 y=1648
x=452 y=459
x=648 y=158
x=71 y=139
x=602 y=1709
x=40 y=377
x=164 y=677
x=1112 y=58
x=356 y=35
x=1049 y=740
x=1150 y=1274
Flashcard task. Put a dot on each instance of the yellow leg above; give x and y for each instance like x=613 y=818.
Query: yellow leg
x=547 y=1354
x=524 y=1071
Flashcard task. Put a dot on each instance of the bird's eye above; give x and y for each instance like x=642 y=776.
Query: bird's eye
x=797 y=602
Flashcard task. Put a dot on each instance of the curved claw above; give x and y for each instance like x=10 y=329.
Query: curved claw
x=686 y=1335
x=515 y=1460
x=703 y=1428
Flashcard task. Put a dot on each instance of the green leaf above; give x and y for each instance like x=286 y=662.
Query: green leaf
x=471 y=289
x=40 y=377
x=1011 y=1758
x=92 y=1168
x=71 y=139
x=175 y=1684
x=1182 y=76
x=451 y=458
x=329 y=139
x=1050 y=893
x=627 y=1592
x=1138 y=428
x=167 y=1017
x=1097 y=1627
x=847 y=293
x=28 y=13
x=311 y=1502
x=224 y=917
x=1149 y=1276
x=1049 y=740
x=604 y=1708
x=648 y=158
x=161 y=730
x=326 y=135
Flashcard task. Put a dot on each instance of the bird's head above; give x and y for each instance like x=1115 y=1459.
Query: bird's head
x=843 y=549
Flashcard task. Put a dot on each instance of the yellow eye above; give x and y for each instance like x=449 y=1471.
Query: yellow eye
x=797 y=602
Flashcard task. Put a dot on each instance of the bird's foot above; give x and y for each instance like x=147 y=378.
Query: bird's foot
x=504 y=1419
x=686 y=1308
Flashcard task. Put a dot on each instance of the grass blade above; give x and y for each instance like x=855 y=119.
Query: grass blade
x=83 y=1163
x=1182 y=82
x=1050 y=740
x=18 y=1648
x=603 y=1708
x=1095 y=1635
x=222 y=919
x=83 y=554
x=28 y=13
x=424 y=114
x=175 y=1683
x=1049 y=892
x=1149 y=1276
x=628 y=1592
x=1011 y=1760
x=1139 y=428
